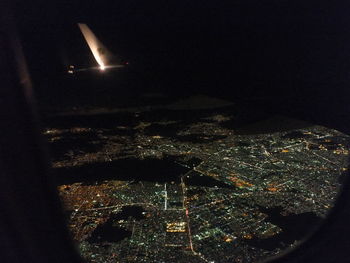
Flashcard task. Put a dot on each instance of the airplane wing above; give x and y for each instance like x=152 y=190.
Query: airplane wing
x=100 y=53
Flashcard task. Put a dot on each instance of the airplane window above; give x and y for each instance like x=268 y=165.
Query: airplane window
x=191 y=132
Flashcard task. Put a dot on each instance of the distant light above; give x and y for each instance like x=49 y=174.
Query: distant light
x=70 y=71
x=71 y=66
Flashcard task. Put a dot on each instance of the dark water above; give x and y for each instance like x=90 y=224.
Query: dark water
x=131 y=169
x=109 y=232
x=136 y=212
x=192 y=162
x=169 y=130
x=294 y=227
x=107 y=120
x=183 y=116
x=197 y=191
x=75 y=144
x=197 y=179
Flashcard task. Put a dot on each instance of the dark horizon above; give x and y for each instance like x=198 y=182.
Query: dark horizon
x=288 y=50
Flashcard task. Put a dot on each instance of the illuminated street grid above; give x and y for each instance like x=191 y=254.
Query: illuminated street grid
x=214 y=193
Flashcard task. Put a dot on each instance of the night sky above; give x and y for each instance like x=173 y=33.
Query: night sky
x=235 y=48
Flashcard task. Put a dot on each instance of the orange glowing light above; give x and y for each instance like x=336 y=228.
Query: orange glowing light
x=272 y=187
x=248 y=236
x=239 y=182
